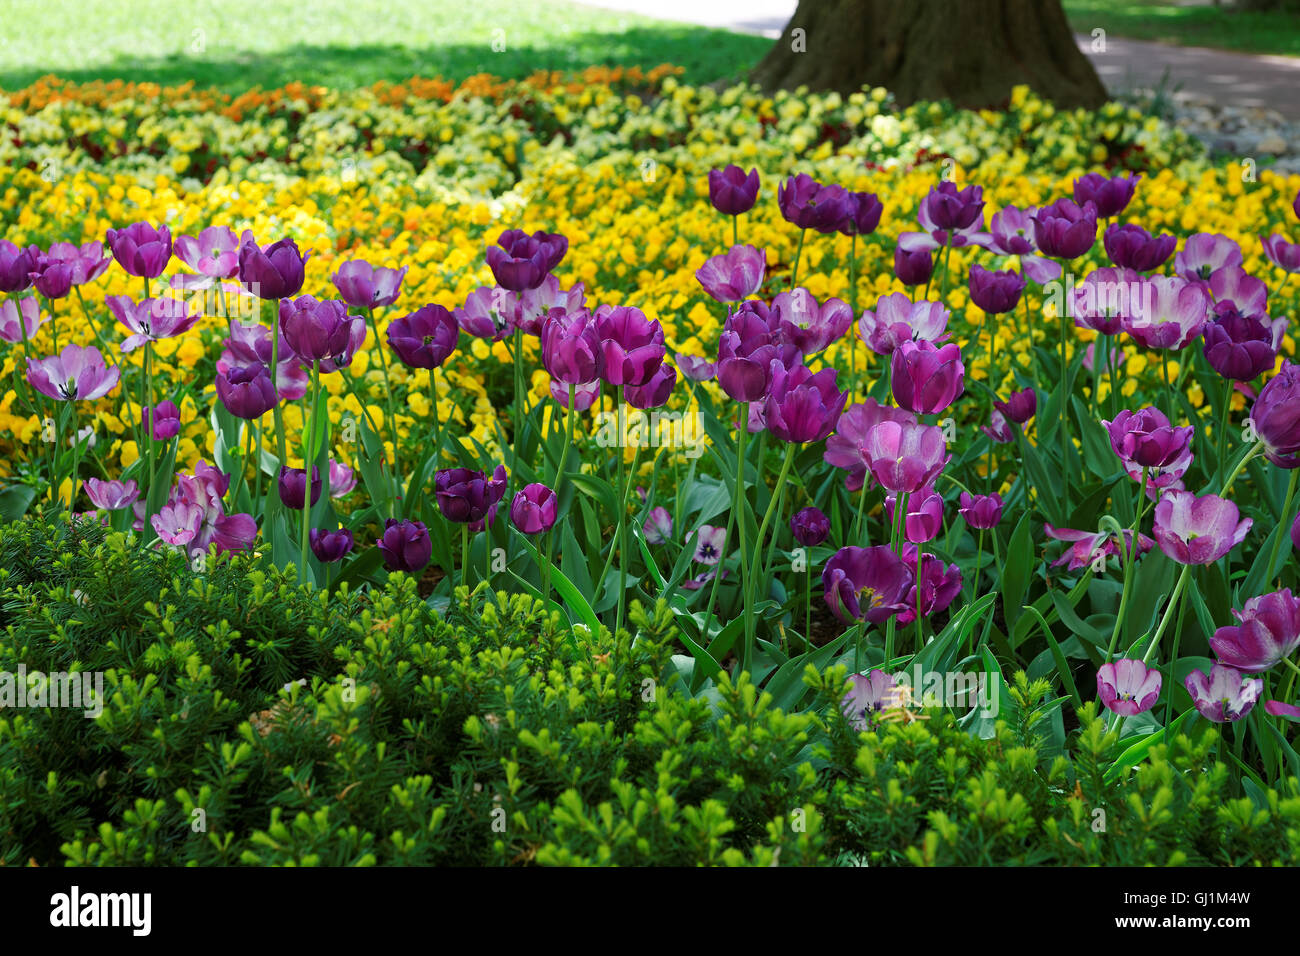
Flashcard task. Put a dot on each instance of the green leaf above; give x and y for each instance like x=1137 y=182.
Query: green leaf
x=565 y=588
x=1015 y=575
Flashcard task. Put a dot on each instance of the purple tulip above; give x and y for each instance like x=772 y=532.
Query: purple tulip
x=275 y=272
x=863 y=214
x=1224 y=694
x=1087 y=547
x=1116 y=360
x=995 y=292
x=1020 y=407
x=195 y=505
x=1268 y=632
x=632 y=345
x=1128 y=687
x=1233 y=290
x=695 y=368
x=1205 y=253
x=19 y=317
x=141 y=249
x=214 y=253
x=112 y=495
x=924 y=518
x=809 y=205
x=1110 y=195
x=939 y=584
x=1012 y=234
x=905 y=457
x=532 y=306
x=293 y=486
x=658 y=526
x=88 y=261
x=317 y=330
x=533 y=510
x=1146 y=439
x=735 y=275
x=810 y=527
x=16 y=266
x=802 y=406
x=78 y=373
x=746 y=349
x=1192 y=530
x=733 y=191
x=811 y=327
x=465 y=495
x=489 y=313
x=950 y=217
x=1107 y=300
x=571 y=347
x=844 y=449
x=251 y=345
x=1064 y=229
x=342 y=479
x=982 y=512
x=1278 y=709
x=654 y=393
x=246 y=390
x=1276 y=417
x=926 y=378
x=152 y=320
x=709 y=544
x=584 y=396
x=405 y=545
x=868 y=584
x=1285 y=255
x=1239 y=347
x=177 y=523
x=330 y=546
x=425 y=338
x=998 y=429
x=51 y=277
x=364 y=286
x=913 y=268
x=163 y=421
x=869 y=695
x=520 y=261
x=1132 y=247
x=897 y=319
x=1173 y=313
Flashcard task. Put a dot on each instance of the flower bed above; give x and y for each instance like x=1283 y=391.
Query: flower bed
x=511 y=332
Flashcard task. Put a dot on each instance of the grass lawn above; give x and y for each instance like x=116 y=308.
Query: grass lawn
x=1246 y=31
x=238 y=44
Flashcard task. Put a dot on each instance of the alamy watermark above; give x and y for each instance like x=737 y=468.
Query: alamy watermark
x=633 y=428
x=80 y=690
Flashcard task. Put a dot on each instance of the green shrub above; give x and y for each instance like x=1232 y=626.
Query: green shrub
x=497 y=738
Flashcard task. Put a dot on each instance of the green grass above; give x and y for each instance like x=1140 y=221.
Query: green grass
x=237 y=44
x=1226 y=28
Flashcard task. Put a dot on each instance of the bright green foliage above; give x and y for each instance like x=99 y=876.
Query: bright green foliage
x=489 y=738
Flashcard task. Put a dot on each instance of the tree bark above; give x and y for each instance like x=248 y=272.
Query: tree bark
x=971 y=52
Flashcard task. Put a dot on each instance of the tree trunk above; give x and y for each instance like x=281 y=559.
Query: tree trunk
x=971 y=52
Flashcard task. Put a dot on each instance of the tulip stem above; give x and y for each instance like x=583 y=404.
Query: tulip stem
x=862 y=503
x=758 y=547
x=853 y=311
x=1169 y=385
x=146 y=401
x=794 y=273
x=1129 y=554
x=274 y=305
x=564 y=454
x=1225 y=416
x=979 y=558
x=735 y=230
x=1255 y=451
x=437 y=426
x=742 y=433
x=309 y=426
x=621 y=531
x=464 y=555
x=1173 y=657
x=1063 y=419
x=392 y=414
x=807 y=618
x=1284 y=525
x=1169 y=613
x=546 y=569
x=1291 y=664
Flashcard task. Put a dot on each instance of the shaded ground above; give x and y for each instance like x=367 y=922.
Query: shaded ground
x=238 y=44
